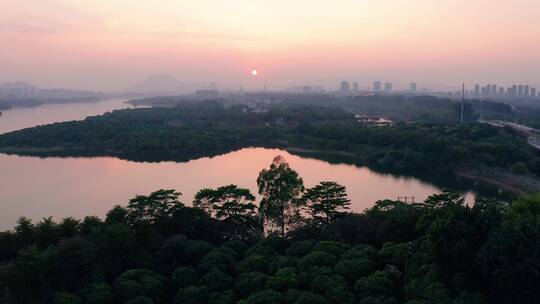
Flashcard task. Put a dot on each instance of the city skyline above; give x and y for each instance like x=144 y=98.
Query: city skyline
x=27 y=90
x=109 y=46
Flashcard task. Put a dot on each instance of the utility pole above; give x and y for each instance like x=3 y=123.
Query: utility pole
x=406 y=199
x=462 y=101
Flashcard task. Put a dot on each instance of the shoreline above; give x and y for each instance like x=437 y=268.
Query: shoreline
x=510 y=182
x=505 y=181
x=302 y=150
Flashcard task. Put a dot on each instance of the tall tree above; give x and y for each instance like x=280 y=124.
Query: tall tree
x=325 y=202
x=233 y=205
x=281 y=189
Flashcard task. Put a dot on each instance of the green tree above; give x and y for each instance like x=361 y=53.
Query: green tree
x=89 y=223
x=378 y=300
x=250 y=282
x=97 y=293
x=192 y=295
x=281 y=188
x=65 y=298
x=233 y=205
x=510 y=259
x=75 y=262
x=216 y=280
x=307 y=297
x=47 y=232
x=325 y=202
x=335 y=248
x=151 y=208
x=283 y=280
x=184 y=276
x=69 y=227
x=222 y=258
x=254 y=262
x=6 y=297
x=444 y=199
x=316 y=258
x=280 y=262
x=25 y=231
x=226 y=297
x=265 y=297
x=140 y=300
x=353 y=269
x=139 y=282
x=300 y=248
x=117 y=247
x=377 y=284
x=116 y=215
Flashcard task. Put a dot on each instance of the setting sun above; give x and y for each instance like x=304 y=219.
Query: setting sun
x=254 y=72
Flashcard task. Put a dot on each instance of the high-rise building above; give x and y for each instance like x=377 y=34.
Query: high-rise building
x=488 y=90
x=355 y=86
x=413 y=87
x=526 y=91
x=514 y=90
x=494 y=90
x=476 y=90
x=501 y=91
x=520 y=90
x=388 y=86
x=345 y=86
x=533 y=92
x=377 y=86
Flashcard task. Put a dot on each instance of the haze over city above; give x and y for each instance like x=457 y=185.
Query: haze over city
x=269 y=151
x=112 y=45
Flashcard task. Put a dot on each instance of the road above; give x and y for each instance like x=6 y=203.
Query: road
x=535 y=141
x=534 y=134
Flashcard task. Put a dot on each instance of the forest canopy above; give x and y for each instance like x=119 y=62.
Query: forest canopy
x=226 y=249
x=194 y=129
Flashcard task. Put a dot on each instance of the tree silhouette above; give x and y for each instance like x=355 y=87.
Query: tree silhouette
x=325 y=202
x=233 y=205
x=157 y=205
x=281 y=188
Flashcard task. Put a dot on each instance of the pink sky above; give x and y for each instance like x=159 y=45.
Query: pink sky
x=110 y=45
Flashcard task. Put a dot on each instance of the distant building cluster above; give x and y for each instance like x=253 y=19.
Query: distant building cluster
x=345 y=87
x=25 y=91
x=207 y=94
x=487 y=91
x=514 y=91
x=378 y=86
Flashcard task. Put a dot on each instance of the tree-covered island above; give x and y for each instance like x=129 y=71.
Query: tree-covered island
x=194 y=129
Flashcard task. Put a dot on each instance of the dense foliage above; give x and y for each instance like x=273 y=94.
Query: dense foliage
x=204 y=128
x=396 y=107
x=157 y=250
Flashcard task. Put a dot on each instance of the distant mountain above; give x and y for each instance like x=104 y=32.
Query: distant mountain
x=16 y=85
x=162 y=84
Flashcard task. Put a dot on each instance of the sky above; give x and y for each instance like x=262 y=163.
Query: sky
x=112 y=44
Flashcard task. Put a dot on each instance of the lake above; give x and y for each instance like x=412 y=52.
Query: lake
x=19 y=118
x=60 y=187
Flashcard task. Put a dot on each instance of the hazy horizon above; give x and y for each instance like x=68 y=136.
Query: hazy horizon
x=113 y=45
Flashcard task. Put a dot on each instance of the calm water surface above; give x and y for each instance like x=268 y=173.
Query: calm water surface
x=20 y=118
x=60 y=187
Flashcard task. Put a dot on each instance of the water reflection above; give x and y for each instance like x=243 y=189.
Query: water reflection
x=20 y=118
x=37 y=187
